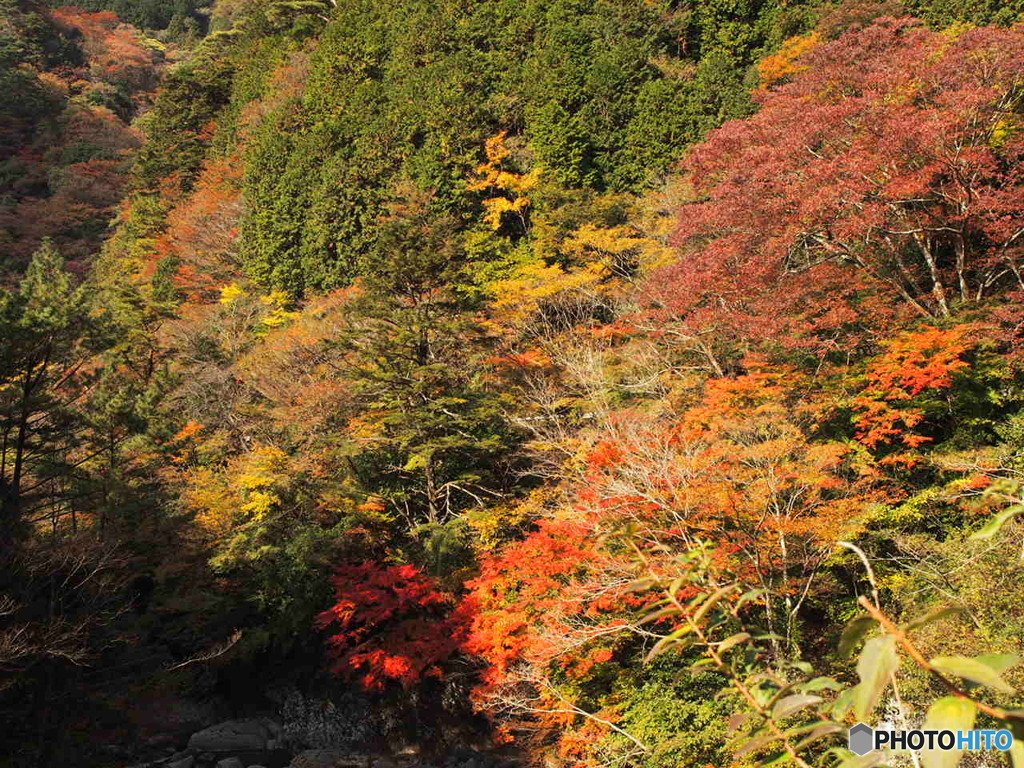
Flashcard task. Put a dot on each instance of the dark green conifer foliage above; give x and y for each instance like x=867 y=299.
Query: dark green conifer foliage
x=414 y=351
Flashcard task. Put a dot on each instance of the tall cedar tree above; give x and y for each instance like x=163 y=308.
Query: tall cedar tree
x=435 y=442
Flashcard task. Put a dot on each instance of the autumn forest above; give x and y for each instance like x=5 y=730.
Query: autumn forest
x=509 y=383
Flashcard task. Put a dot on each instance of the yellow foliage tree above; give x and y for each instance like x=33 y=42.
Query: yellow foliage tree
x=509 y=189
x=232 y=505
x=784 y=64
x=592 y=260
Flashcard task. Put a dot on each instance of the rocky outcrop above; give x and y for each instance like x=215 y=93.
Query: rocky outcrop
x=254 y=735
x=329 y=758
x=260 y=742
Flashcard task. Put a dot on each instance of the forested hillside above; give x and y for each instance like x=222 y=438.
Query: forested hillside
x=629 y=383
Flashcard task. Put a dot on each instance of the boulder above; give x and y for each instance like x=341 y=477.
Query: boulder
x=233 y=736
x=230 y=762
x=275 y=728
x=328 y=758
x=185 y=762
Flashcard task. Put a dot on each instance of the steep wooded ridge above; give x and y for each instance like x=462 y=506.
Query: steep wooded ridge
x=547 y=381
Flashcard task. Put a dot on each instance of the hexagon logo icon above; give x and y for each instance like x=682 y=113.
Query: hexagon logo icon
x=862 y=739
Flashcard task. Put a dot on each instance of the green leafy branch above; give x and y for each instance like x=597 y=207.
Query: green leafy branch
x=791 y=711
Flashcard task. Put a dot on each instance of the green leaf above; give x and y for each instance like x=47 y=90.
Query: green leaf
x=820 y=684
x=948 y=713
x=713 y=599
x=748 y=596
x=843 y=704
x=993 y=526
x=1017 y=753
x=755 y=744
x=971 y=669
x=819 y=732
x=732 y=642
x=932 y=616
x=790 y=705
x=802 y=666
x=700 y=666
x=668 y=641
x=738 y=720
x=876 y=665
x=676 y=585
x=1000 y=662
x=802 y=730
x=659 y=614
x=853 y=633
x=643 y=584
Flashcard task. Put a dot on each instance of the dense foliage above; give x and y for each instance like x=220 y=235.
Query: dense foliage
x=586 y=377
x=71 y=83
x=177 y=15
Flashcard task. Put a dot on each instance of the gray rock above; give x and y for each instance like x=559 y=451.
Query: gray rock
x=185 y=762
x=275 y=728
x=230 y=762
x=257 y=766
x=328 y=758
x=163 y=740
x=232 y=736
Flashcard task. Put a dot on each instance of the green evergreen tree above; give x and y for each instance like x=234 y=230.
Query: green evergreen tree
x=415 y=350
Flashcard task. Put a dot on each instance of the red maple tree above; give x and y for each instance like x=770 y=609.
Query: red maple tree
x=886 y=176
x=393 y=624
